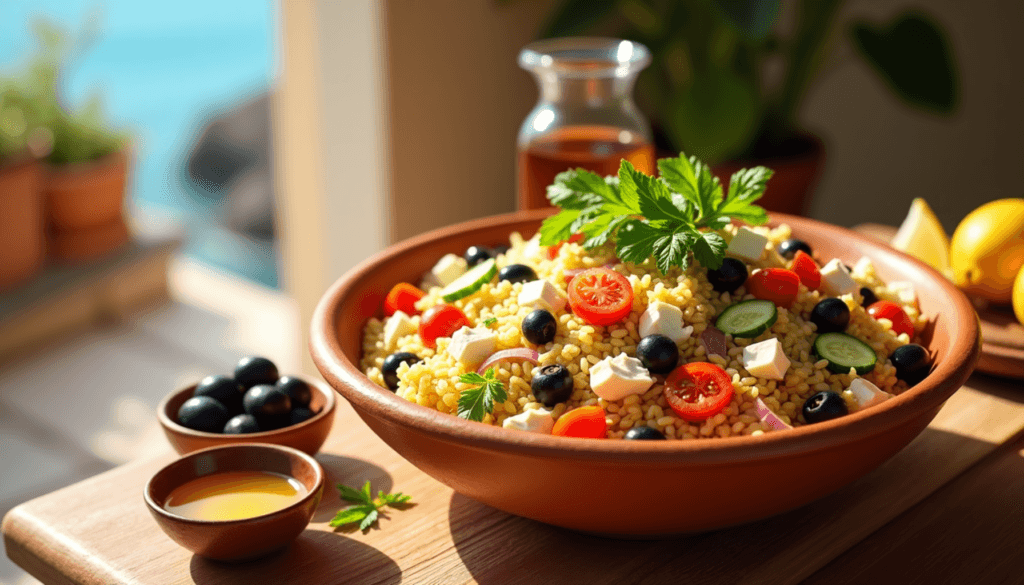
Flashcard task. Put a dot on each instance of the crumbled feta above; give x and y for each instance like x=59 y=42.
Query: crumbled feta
x=664 y=319
x=398 y=325
x=448 y=268
x=863 y=267
x=532 y=247
x=532 y=421
x=747 y=244
x=542 y=294
x=765 y=359
x=615 y=378
x=472 y=346
x=836 y=279
x=904 y=292
x=867 y=394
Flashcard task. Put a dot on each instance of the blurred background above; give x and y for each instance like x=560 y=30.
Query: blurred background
x=182 y=182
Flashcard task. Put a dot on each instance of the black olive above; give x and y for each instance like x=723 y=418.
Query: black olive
x=830 y=315
x=390 y=367
x=269 y=405
x=868 y=297
x=912 y=363
x=517 y=273
x=788 y=248
x=296 y=389
x=299 y=414
x=254 y=370
x=222 y=389
x=539 y=327
x=729 y=277
x=476 y=254
x=644 y=433
x=241 y=424
x=658 y=353
x=551 y=384
x=202 y=413
x=824 y=406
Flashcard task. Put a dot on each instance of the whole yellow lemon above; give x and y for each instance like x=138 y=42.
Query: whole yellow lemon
x=987 y=250
x=1018 y=296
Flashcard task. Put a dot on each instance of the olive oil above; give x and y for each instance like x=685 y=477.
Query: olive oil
x=234 y=495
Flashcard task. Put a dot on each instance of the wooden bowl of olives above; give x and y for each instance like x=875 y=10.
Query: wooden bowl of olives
x=253 y=405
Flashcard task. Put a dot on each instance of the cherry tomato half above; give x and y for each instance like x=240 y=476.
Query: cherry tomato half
x=807 y=269
x=600 y=296
x=441 y=321
x=698 y=391
x=777 y=285
x=553 y=250
x=586 y=422
x=402 y=297
x=889 y=310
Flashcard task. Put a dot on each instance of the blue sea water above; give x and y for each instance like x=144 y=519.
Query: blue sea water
x=164 y=70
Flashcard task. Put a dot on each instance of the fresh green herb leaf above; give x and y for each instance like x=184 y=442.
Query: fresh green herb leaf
x=490 y=321
x=558 y=227
x=367 y=510
x=475 y=402
x=709 y=250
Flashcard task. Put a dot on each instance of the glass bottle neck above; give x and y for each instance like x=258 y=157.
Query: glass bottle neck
x=592 y=92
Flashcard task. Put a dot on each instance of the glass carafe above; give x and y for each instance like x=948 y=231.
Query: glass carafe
x=585 y=117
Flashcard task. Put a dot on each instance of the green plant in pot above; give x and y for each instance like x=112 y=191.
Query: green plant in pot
x=726 y=82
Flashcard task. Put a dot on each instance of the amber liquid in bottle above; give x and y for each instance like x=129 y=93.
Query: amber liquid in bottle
x=596 y=148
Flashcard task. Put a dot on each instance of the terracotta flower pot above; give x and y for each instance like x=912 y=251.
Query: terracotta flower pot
x=789 y=190
x=71 y=246
x=82 y=195
x=22 y=241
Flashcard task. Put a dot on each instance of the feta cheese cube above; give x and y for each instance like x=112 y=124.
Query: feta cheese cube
x=904 y=291
x=398 y=325
x=472 y=346
x=747 y=244
x=617 y=377
x=532 y=421
x=542 y=294
x=867 y=394
x=836 y=279
x=532 y=247
x=765 y=359
x=448 y=268
x=664 y=319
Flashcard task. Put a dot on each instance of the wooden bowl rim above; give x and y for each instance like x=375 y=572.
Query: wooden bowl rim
x=377 y=402
x=290 y=452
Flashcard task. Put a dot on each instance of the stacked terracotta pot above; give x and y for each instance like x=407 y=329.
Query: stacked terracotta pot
x=22 y=221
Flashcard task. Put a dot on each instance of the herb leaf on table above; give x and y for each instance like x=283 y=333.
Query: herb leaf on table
x=366 y=510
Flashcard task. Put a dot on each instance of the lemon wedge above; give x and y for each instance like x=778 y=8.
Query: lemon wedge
x=921 y=235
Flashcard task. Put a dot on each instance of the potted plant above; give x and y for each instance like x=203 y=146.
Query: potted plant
x=726 y=85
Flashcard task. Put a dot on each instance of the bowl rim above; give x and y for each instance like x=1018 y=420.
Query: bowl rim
x=168 y=422
x=346 y=378
x=312 y=463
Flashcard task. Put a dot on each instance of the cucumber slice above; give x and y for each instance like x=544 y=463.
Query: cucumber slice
x=844 y=352
x=747 y=318
x=470 y=282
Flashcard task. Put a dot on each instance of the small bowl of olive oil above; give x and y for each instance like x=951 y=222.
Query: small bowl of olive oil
x=236 y=502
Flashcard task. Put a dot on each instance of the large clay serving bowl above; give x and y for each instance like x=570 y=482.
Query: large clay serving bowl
x=638 y=488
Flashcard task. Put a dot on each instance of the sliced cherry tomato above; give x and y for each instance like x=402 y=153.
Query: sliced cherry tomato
x=600 y=296
x=402 y=297
x=586 y=422
x=441 y=321
x=807 y=269
x=777 y=285
x=553 y=250
x=901 y=323
x=698 y=391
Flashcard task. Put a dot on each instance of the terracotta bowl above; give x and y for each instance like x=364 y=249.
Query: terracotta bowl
x=629 y=487
x=236 y=540
x=307 y=436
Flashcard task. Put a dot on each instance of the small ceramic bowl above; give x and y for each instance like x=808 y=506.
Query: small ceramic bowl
x=634 y=488
x=237 y=540
x=307 y=436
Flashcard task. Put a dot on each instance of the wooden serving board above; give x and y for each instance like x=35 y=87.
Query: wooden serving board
x=99 y=531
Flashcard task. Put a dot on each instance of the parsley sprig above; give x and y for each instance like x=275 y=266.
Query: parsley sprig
x=475 y=402
x=366 y=510
x=669 y=217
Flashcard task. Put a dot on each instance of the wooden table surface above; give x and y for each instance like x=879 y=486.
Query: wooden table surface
x=948 y=508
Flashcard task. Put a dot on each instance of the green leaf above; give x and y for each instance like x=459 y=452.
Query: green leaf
x=490 y=321
x=709 y=189
x=913 y=57
x=655 y=200
x=601 y=230
x=367 y=494
x=352 y=495
x=579 y=189
x=474 y=403
x=673 y=249
x=709 y=250
x=371 y=517
x=753 y=18
x=473 y=378
x=558 y=227
x=747 y=185
x=627 y=195
x=715 y=116
x=397 y=500
x=635 y=241
x=679 y=175
x=350 y=515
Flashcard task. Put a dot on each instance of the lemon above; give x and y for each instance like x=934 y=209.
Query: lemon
x=987 y=250
x=1018 y=296
x=921 y=235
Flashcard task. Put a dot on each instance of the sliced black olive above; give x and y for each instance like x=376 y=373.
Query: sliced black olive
x=824 y=406
x=551 y=384
x=729 y=276
x=389 y=369
x=517 y=273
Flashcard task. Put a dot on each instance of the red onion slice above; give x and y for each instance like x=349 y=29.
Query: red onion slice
x=770 y=418
x=714 y=342
x=518 y=353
